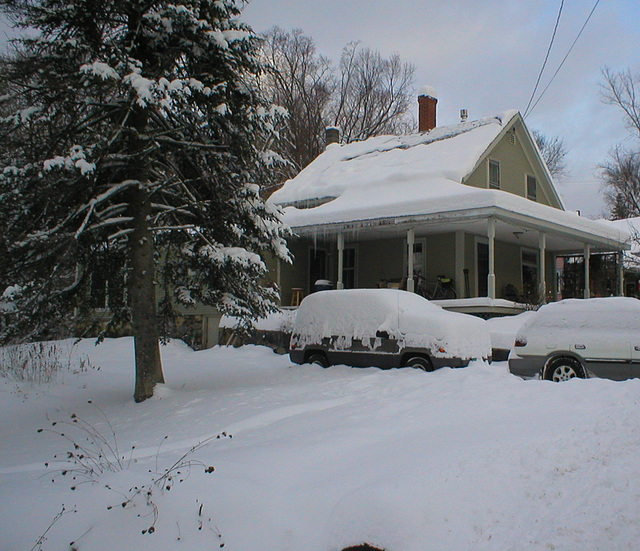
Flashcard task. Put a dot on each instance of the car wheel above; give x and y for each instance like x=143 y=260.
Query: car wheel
x=318 y=359
x=562 y=368
x=419 y=362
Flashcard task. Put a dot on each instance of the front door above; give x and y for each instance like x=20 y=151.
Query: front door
x=349 y=268
x=482 y=268
x=317 y=266
x=530 y=277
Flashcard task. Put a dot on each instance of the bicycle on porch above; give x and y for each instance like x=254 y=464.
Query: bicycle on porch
x=443 y=289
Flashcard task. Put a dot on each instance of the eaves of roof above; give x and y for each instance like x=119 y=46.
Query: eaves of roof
x=562 y=223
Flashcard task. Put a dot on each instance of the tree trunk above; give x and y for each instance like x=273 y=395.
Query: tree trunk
x=143 y=300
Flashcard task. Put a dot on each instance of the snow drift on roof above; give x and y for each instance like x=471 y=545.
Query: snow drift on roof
x=448 y=152
x=415 y=175
x=631 y=226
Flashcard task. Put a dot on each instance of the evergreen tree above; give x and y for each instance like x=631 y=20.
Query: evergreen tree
x=129 y=132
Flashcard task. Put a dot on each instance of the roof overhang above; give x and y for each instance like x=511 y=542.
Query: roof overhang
x=511 y=227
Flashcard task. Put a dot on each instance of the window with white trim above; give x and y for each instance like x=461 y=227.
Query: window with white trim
x=494 y=174
x=532 y=187
x=419 y=257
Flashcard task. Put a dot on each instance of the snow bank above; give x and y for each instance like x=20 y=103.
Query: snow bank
x=321 y=459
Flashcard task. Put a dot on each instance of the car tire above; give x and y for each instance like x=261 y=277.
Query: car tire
x=419 y=362
x=318 y=358
x=563 y=368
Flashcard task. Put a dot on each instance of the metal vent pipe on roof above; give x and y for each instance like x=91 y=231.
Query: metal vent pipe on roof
x=332 y=135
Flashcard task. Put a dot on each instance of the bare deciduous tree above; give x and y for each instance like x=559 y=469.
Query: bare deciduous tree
x=366 y=95
x=621 y=176
x=373 y=94
x=622 y=90
x=621 y=172
x=553 y=152
x=301 y=81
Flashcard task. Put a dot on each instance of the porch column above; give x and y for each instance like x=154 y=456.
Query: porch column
x=459 y=271
x=491 y=278
x=340 y=283
x=411 y=239
x=587 y=255
x=542 y=270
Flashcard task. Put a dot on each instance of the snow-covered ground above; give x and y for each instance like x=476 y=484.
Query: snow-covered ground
x=319 y=459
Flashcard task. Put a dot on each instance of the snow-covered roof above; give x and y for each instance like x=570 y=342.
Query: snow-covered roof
x=418 y=175
x=632 y=227
x=394 y=166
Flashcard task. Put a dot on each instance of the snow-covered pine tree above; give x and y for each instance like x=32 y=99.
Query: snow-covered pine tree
x=130 y=135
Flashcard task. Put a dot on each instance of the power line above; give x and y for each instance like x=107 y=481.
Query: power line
x=565 y=57
x=546 y=57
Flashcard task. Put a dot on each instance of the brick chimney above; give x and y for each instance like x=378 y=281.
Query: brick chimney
x=427 y=101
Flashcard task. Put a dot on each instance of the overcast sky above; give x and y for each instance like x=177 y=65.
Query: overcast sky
x=486 y=56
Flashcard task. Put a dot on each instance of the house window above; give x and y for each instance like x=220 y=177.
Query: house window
x=532 y=187
x=349 y=268
x=98 y=291
x=494 y=175
x=106 y=292
x=419 y=259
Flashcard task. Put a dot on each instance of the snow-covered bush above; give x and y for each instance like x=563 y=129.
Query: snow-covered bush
x=41 y=362
x=95 y=456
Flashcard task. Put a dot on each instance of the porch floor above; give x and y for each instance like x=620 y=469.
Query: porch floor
x=484 y=307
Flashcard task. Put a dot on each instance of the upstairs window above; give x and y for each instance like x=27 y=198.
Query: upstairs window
x=494 y=175
x=532 y=187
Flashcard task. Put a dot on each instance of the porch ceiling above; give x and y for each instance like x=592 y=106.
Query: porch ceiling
x=510 y=227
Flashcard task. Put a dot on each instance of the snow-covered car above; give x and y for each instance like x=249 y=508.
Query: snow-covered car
x=384 y=328
x=580 y=338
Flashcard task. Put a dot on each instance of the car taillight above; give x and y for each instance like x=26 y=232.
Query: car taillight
x=521 y=341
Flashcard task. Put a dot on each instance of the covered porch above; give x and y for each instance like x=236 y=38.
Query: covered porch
x=500 y=261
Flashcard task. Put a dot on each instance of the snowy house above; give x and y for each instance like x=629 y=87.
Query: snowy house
x=473 y=202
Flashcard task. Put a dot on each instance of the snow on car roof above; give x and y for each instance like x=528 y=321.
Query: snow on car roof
x=570 y=318
x=357 y=314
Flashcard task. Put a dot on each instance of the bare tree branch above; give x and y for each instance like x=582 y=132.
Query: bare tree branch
x=553 y=152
